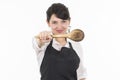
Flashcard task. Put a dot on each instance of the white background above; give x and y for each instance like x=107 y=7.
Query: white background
x=20 y=20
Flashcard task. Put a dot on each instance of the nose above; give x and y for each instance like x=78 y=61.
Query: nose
x=60 y=25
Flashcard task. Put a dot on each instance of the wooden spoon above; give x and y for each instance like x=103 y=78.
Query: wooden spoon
x=75 y=35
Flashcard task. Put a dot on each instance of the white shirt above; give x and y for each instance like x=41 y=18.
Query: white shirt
x=81 y=71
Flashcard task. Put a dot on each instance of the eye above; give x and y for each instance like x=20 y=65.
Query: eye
x=64 y=21
x=54 y=22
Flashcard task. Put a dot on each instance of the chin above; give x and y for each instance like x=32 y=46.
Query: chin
x=59 y=32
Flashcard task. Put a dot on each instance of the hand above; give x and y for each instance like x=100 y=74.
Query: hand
x=44 y=36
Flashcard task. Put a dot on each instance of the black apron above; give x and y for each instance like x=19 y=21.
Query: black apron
x=59 y=65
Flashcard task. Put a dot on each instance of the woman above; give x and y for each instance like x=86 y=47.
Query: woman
x=58 y=58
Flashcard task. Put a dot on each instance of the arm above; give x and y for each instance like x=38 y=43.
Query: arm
x=81 y=71
x=40 y=50
x=41 y=41
x=37 y=46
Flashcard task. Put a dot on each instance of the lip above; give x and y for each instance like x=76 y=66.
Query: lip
x=59 y=31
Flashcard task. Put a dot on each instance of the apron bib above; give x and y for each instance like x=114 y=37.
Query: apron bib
x=59 y=65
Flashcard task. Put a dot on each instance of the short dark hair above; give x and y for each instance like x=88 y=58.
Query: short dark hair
x=60 y=10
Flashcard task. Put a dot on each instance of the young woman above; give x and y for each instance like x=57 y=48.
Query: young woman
x=58 y=58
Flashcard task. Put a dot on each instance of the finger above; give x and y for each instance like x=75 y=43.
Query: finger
x=49 y=36
x=50 y=32
x=40 y=36
x=45 y=35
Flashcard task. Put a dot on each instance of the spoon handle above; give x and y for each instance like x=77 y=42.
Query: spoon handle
x=56 y=36
x=60 y=35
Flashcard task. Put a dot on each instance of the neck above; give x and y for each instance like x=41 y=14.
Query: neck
x=62 y=41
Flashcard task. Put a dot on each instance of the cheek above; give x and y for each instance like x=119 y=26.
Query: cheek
x=66 y=26
x=52 y=26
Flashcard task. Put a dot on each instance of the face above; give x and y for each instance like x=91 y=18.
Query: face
x=57 y=25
